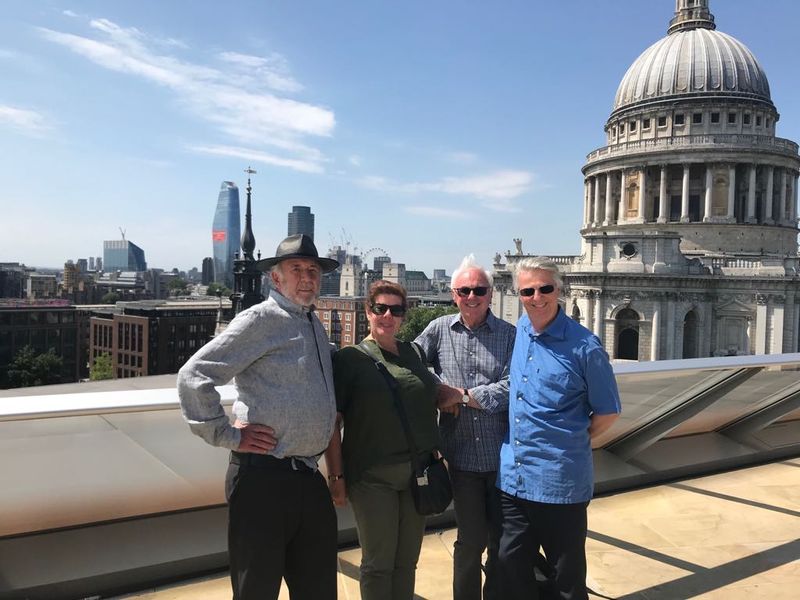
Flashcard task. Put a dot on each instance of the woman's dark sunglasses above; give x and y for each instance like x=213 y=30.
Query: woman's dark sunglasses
x=545 y=289
x=397 y=310
x=478 y=291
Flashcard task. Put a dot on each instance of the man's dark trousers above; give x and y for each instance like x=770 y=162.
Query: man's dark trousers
x=282 y=524
x=560 y=530
x=477 y=506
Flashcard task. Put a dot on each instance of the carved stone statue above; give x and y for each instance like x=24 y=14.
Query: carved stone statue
x=518 y=244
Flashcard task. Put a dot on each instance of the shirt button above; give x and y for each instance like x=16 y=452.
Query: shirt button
x=516 y=420
x=524 y=379
x=474 y=418
x=519 y=464
x=477 y=439
x=519 y=396
x=530 y=358
x=516 y=442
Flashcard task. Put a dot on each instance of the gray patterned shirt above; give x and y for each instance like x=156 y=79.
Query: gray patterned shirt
x=278 y=353
x=479 y=362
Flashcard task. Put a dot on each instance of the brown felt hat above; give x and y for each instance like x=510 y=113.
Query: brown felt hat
x=297 y=246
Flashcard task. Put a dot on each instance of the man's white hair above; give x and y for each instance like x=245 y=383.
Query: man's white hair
x=540 y=263
x=467 y=264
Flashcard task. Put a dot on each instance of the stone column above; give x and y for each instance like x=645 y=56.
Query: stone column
x=731 y=193
x=642 y=195
x=685 y=195
x=768 y=198
x=670 y=331
x=598 y=315
x=621 y=215
x=709 y=184
x=586 y=190
x=793 y=198
x=663 y=208
x=609 y=216
x=654 y=340
x=597 y=216
x=782 y=197
x=761 y=325
x=776 y=341
x=751 y=196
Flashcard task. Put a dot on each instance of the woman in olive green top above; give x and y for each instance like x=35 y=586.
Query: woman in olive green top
x=372 y=465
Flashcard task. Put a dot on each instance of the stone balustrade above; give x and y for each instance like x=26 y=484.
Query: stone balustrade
x=709 y=140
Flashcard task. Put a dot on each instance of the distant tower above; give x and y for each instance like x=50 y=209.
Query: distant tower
x=301 y=220
x=225 y=233
x=208 y=271
x=246 y=277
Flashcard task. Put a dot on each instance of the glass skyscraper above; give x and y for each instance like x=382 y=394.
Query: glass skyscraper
x=301 y=220
x=225 y=233
x=122 y=255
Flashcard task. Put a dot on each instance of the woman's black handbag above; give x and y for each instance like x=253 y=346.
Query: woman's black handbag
x=431 y=490
x=430 y=484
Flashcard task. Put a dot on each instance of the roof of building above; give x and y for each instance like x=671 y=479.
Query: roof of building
x=693 y=60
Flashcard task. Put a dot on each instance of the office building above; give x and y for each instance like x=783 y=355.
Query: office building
x=225 y=233
x=301 y=220
x=122 y=255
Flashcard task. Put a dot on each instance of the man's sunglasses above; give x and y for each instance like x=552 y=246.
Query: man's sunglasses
x=478 y=291
x=397 y=310
x=543 y=290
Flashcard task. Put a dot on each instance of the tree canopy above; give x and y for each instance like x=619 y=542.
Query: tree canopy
x=417 y=320
x=30 y=368
x=215 y=287
x=101 y=368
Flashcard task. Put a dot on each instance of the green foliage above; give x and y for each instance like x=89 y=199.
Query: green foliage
x=178 y=286
x=417 y=320
x=110 y=298
x=215 y=287
x=29 y=368
x=101 y=368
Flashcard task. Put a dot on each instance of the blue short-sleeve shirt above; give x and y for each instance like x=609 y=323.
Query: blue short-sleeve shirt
x=559 y=378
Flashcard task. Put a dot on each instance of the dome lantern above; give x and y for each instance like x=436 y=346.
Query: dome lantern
x=691 y=14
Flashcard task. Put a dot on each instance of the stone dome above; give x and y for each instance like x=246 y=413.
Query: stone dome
x=694 y=61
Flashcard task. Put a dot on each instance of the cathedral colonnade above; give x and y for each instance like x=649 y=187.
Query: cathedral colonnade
x=719 y=192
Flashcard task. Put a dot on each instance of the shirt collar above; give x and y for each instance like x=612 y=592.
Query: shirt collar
x=288 y=305
x=557 y=328
x=490 y=322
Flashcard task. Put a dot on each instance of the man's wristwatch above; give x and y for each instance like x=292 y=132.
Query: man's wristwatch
x=465 y=398
x=335 y=477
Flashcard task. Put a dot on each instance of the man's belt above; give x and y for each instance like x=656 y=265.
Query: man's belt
x=267 y=461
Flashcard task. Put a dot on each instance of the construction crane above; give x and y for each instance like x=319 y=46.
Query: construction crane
x=122 y=231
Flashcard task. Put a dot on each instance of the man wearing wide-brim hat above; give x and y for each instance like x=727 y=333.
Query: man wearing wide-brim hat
x=282 y=523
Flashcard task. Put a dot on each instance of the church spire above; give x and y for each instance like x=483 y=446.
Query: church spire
x=691 y=14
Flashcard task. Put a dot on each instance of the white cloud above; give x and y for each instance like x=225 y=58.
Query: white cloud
x=8 y=54
x=243 y=100
x=354 y=160
x=495 y=190
x=69 y=13
x=461 y=158
x=24 y=120
x=257 y=156
x=437 y=212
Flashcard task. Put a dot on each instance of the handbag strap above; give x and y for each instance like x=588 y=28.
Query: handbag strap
x=394 y=386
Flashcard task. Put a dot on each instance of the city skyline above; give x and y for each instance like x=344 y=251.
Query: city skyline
x=431 y=131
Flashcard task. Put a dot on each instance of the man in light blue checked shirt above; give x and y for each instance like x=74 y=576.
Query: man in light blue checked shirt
x=471 y=353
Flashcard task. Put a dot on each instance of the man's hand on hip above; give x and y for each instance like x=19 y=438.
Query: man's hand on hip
x=258 y=439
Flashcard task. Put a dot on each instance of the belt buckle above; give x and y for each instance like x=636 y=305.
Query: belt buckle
x=297 y=465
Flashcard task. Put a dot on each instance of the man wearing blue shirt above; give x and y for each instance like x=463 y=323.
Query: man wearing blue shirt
x=562 y=394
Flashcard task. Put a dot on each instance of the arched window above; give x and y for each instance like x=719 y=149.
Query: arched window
x=690 y=335
x=627 y=334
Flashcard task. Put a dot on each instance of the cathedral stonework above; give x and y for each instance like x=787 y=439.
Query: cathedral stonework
x=689 y=236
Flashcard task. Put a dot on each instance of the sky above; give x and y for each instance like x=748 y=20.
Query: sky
x=423 y=129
